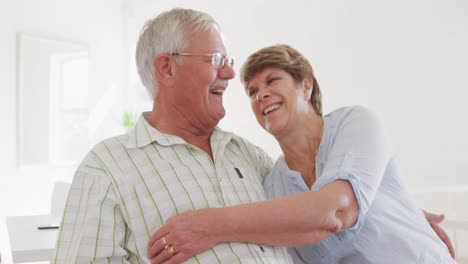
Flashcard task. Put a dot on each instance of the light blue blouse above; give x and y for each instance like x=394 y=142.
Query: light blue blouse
x=390 y=227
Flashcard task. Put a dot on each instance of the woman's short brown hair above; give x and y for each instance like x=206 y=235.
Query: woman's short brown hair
x=288 y=59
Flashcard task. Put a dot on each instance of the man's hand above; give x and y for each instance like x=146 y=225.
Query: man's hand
x=434 y=220
x=182 y=237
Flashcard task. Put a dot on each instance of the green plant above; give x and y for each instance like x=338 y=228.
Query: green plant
x=129 y=119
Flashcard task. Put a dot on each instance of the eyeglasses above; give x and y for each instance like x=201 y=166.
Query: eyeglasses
x=218 y=60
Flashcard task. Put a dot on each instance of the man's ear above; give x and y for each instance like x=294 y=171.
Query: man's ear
x=308 y=87
x=163 y=68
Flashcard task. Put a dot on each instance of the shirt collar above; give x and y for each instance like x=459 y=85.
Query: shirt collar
x=143 y=134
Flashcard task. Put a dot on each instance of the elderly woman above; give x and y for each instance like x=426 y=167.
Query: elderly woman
x=343 y=199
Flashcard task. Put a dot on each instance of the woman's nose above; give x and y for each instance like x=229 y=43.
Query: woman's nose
x=262 y=95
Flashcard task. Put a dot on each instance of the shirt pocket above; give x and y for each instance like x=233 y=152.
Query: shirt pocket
x=241 y=185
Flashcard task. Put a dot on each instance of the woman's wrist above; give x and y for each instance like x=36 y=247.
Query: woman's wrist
x=211 y=223
x=219 y=225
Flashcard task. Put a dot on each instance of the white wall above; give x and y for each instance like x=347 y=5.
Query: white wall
x=404 y=59
x=95 y=23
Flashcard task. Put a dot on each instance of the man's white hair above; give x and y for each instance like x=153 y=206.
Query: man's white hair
x=167 y=33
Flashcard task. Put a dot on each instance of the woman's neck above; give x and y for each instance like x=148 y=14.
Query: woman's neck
x=300 y=147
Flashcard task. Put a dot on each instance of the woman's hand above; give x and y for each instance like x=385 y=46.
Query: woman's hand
x=183 y=236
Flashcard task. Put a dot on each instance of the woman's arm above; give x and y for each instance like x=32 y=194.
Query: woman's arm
x=289 y=221
x=294 y=220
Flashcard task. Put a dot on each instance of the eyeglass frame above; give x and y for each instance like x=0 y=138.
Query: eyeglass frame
x=224 y=59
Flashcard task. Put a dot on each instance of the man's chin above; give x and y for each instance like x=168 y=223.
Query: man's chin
x=219 y=115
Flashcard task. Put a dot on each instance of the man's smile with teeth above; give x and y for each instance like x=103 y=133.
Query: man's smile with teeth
x=271 y=108
x=217 y=91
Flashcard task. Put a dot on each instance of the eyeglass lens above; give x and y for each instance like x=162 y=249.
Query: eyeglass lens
x=219 y=60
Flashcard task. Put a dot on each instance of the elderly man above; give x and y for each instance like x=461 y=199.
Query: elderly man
x=174 y=160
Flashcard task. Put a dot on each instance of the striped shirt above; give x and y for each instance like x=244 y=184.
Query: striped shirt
x=128 y=186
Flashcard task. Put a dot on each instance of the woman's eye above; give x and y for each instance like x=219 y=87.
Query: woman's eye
x=251 y=92
x=272 y=80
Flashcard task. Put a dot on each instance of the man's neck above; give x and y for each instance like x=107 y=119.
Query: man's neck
x=177 y=124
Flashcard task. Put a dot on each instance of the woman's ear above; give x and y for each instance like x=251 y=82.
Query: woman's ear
x=308 y=87
x=163 y=68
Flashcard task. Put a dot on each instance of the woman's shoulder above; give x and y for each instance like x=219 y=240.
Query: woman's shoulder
x=348 y=113
x=351 y=110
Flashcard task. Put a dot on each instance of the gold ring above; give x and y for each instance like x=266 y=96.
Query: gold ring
x=169 y=249
x=164 y=242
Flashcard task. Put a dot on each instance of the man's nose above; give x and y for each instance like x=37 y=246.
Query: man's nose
x=226 y=72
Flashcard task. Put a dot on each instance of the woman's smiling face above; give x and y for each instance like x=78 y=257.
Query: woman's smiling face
x=278 y=100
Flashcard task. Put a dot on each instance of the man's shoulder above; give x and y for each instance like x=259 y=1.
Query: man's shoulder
x=254 y=151
x=111 y=144
x=105 y=152
x=241 y=141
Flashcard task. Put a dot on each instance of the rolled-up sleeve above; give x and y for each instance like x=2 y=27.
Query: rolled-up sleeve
x=359 y=154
